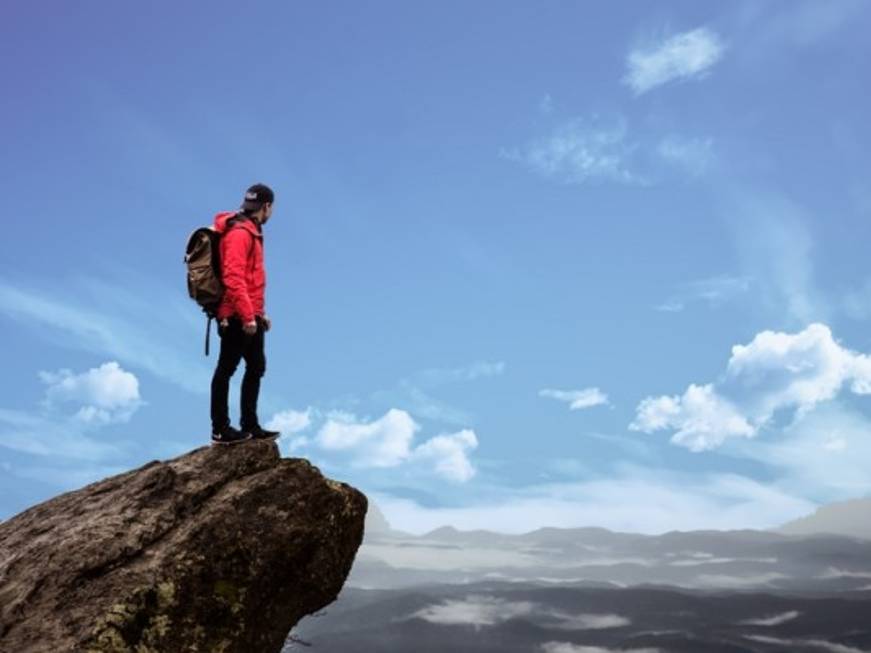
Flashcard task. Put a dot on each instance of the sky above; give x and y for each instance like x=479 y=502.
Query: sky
x=530 y=264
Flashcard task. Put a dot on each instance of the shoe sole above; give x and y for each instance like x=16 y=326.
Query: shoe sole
x=228 y=443
x=267 y=437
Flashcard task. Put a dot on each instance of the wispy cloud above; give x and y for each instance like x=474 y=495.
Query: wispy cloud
x=44 y=435
x=568 y=647
x=75 y=407
x=806 y=22
x=817 y=644
x=482 y=610
x=773 y=620
x=692 y=155
x=116 y=323
x=713 y=291
x=630 y=498
x=577 y=399
x=685 y=56
x=475 y=610
x=440 y=376
x=775 y=246
x=416 y=393
x=823 y=454
x=581 y=152
x=776 y=371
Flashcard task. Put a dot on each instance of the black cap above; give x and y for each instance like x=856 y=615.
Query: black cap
x=257 y=196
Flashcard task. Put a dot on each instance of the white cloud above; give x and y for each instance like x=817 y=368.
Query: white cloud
x=290 y=421
x=773 y=620
x=387 y=442
x=577 y=399
x=634 y=499
x=44 y=436
x=106 y=393
x=111 y=324
x=449 y=453
x=569 y=621
x=579 y=152
x=568 y=647
x=791 y=644
x=776 y=371
x=694 y=155
x=475 y=610
x=413 y=393
x=824 y=454
x=700 y=418
x=688 y=55
x=723 y=581
x=775 y=246
x=483 y=610
x=441 y=376
x=714 y=291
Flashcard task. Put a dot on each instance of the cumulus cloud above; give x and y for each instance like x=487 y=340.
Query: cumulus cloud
x=700 y=418
x=290 y=421
x=685 y=56
x=580 y=152
x=450 y=454
x=577 y=399
x=106 y=394
x=388 y=442
x=775 y=372
x=385 y=442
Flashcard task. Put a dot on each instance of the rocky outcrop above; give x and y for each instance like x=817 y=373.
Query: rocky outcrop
x=222 y=549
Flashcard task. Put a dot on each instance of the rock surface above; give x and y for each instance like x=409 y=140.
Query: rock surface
x=223 y=549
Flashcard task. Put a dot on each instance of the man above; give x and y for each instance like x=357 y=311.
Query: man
x=242 y=320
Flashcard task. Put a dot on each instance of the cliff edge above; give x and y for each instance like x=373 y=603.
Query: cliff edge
x=222 y=549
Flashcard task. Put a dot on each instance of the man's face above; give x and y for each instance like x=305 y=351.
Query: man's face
x=267 y=212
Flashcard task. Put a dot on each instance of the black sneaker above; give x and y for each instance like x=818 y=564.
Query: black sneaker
x=230 y=435
x=259 y=433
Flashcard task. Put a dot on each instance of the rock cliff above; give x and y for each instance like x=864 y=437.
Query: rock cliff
x=223 y=549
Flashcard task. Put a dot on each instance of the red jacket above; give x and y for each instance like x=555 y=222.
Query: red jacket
x=242 y=268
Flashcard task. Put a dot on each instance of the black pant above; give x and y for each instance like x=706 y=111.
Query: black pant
x=236 y=345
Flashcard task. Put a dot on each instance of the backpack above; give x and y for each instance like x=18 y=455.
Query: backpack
x=203 y=260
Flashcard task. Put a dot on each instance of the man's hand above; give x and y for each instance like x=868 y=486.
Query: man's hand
x=250 y=328
x=267 y=323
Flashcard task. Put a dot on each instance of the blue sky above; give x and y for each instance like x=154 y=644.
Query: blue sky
x=530 y=264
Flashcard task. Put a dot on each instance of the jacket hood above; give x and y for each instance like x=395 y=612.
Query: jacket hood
x=222 y=218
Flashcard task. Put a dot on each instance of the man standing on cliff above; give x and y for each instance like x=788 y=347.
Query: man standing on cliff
x=242 y=320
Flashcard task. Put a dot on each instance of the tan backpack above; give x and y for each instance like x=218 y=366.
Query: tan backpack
x=203 y=260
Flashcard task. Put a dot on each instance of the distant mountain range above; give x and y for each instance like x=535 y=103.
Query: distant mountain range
x=828 y=551
x=850 y=518
x=805 y=586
